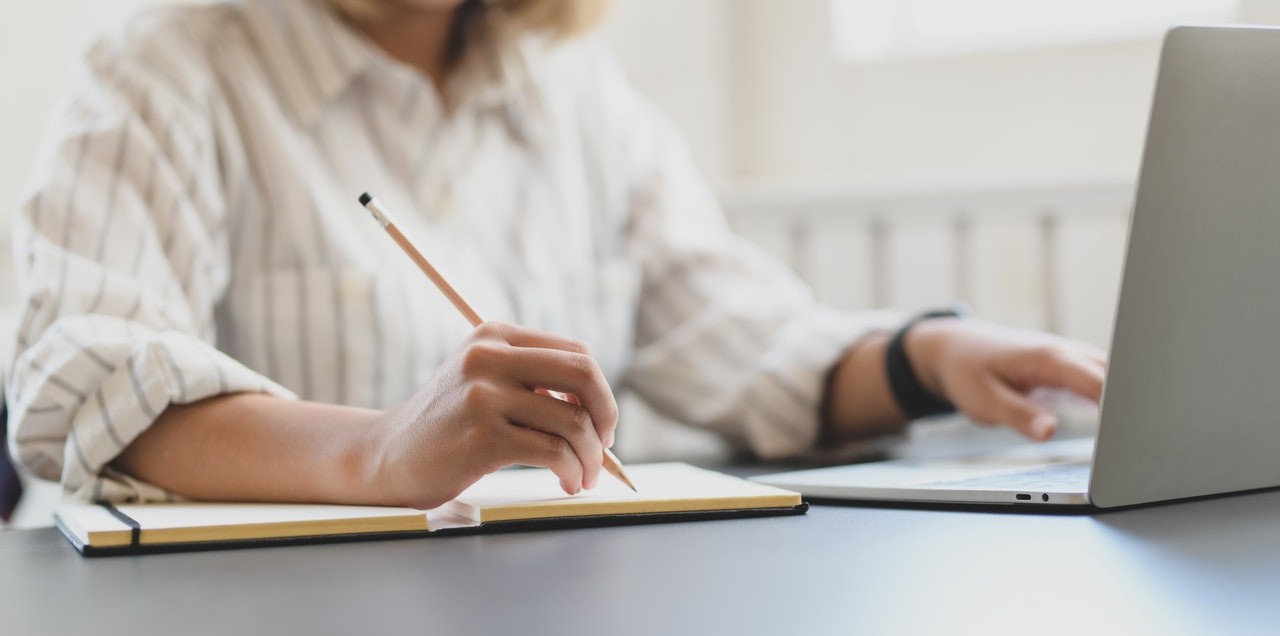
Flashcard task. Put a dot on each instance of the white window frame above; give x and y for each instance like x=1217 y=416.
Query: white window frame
x=878 y=30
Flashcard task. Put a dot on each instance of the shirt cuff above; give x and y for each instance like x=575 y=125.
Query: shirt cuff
x=805 y=351
x=133 y=381
x=762 y=391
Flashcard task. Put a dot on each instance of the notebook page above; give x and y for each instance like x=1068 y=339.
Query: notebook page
x=669 y=487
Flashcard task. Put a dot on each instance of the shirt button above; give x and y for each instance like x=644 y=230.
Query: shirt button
x=444 y=204
x=620 y=279
x=353 y=288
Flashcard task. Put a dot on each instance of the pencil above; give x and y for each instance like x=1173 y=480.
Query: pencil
x=380 y=214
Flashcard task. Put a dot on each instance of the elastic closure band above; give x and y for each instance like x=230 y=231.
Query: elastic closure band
x=135 y=529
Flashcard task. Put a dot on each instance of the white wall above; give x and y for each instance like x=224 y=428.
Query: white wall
x=678 y=53
x=1064 y=112
x=37 y=53
x=1051 y=112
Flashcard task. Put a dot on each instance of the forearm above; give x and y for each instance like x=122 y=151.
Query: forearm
x=254 y=447
x=859 y=403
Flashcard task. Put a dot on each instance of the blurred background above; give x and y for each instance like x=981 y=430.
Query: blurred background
x=895 y=153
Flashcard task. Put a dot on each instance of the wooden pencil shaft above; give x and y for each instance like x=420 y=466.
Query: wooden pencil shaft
x=439 y=281
x=614 y=467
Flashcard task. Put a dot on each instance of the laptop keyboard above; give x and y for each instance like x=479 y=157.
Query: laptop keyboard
x=1067 y=477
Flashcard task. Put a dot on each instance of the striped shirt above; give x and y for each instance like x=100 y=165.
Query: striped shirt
x=192 y=230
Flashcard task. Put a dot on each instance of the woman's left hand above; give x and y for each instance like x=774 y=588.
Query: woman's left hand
x=987 y=371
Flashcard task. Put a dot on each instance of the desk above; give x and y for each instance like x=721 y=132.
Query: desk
x=1201 y=567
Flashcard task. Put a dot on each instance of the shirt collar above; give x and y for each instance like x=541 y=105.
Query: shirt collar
x=310 y=53
x=314 y=56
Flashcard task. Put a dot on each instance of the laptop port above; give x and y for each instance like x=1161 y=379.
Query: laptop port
x=1023 y=496
x=1044 y=498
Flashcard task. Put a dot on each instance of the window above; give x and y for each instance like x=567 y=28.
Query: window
x=872 y=30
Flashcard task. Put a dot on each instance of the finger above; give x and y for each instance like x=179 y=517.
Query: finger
x=550 y=369
x=1092 y=355
x=528 y=447
x=567 y=397
x=557 y=417
x=1060 y=369
x=518 y=336
x=607 y=439
x=1101 y=368
x=1015 y=410
x=571 y=373
x=1095 y=354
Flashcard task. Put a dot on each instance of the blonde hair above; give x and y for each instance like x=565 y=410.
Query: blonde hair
x=555 y=19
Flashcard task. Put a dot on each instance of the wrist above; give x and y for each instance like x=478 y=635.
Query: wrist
x=857 y=402
x=926 y=344
x=363 y=461
x=914 y=361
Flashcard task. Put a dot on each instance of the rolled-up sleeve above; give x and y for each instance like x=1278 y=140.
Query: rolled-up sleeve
x=121 y=250
x=727 y=338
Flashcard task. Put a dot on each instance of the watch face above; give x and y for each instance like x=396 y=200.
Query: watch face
x=956 y=310
x=941 y=313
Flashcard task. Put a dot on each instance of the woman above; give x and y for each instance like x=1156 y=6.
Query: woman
x=193 y=262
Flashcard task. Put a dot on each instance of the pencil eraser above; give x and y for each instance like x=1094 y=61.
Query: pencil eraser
x=365 y=199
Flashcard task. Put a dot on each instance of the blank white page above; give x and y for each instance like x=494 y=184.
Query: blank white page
x=669 y=487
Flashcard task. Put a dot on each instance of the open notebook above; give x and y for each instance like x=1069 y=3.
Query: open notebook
x=507 y=500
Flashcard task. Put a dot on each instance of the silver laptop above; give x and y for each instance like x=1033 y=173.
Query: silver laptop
x=1191 y=405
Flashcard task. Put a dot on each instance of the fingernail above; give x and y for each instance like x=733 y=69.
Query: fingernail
x=608 y=440
x=1043 y=425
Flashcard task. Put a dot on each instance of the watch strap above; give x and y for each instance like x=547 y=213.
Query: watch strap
x=911 y=395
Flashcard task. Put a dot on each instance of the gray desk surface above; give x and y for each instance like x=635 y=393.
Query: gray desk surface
x=1209 y=566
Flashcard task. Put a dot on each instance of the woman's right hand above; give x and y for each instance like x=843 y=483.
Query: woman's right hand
x=482 y=411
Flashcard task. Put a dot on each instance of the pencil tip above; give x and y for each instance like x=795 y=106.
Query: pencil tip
x=365 y=199
x=626 y=481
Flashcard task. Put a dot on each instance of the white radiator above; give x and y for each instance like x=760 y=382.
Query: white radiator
x=1045 y=256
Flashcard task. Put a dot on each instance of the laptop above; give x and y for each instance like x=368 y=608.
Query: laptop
x=1191 y=404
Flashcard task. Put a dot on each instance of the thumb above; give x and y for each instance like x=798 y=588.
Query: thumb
x=1021 y=414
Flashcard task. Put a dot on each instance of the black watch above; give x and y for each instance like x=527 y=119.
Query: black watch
x=911 y=396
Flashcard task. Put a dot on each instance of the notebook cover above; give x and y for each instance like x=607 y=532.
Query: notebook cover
x=493 y=527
